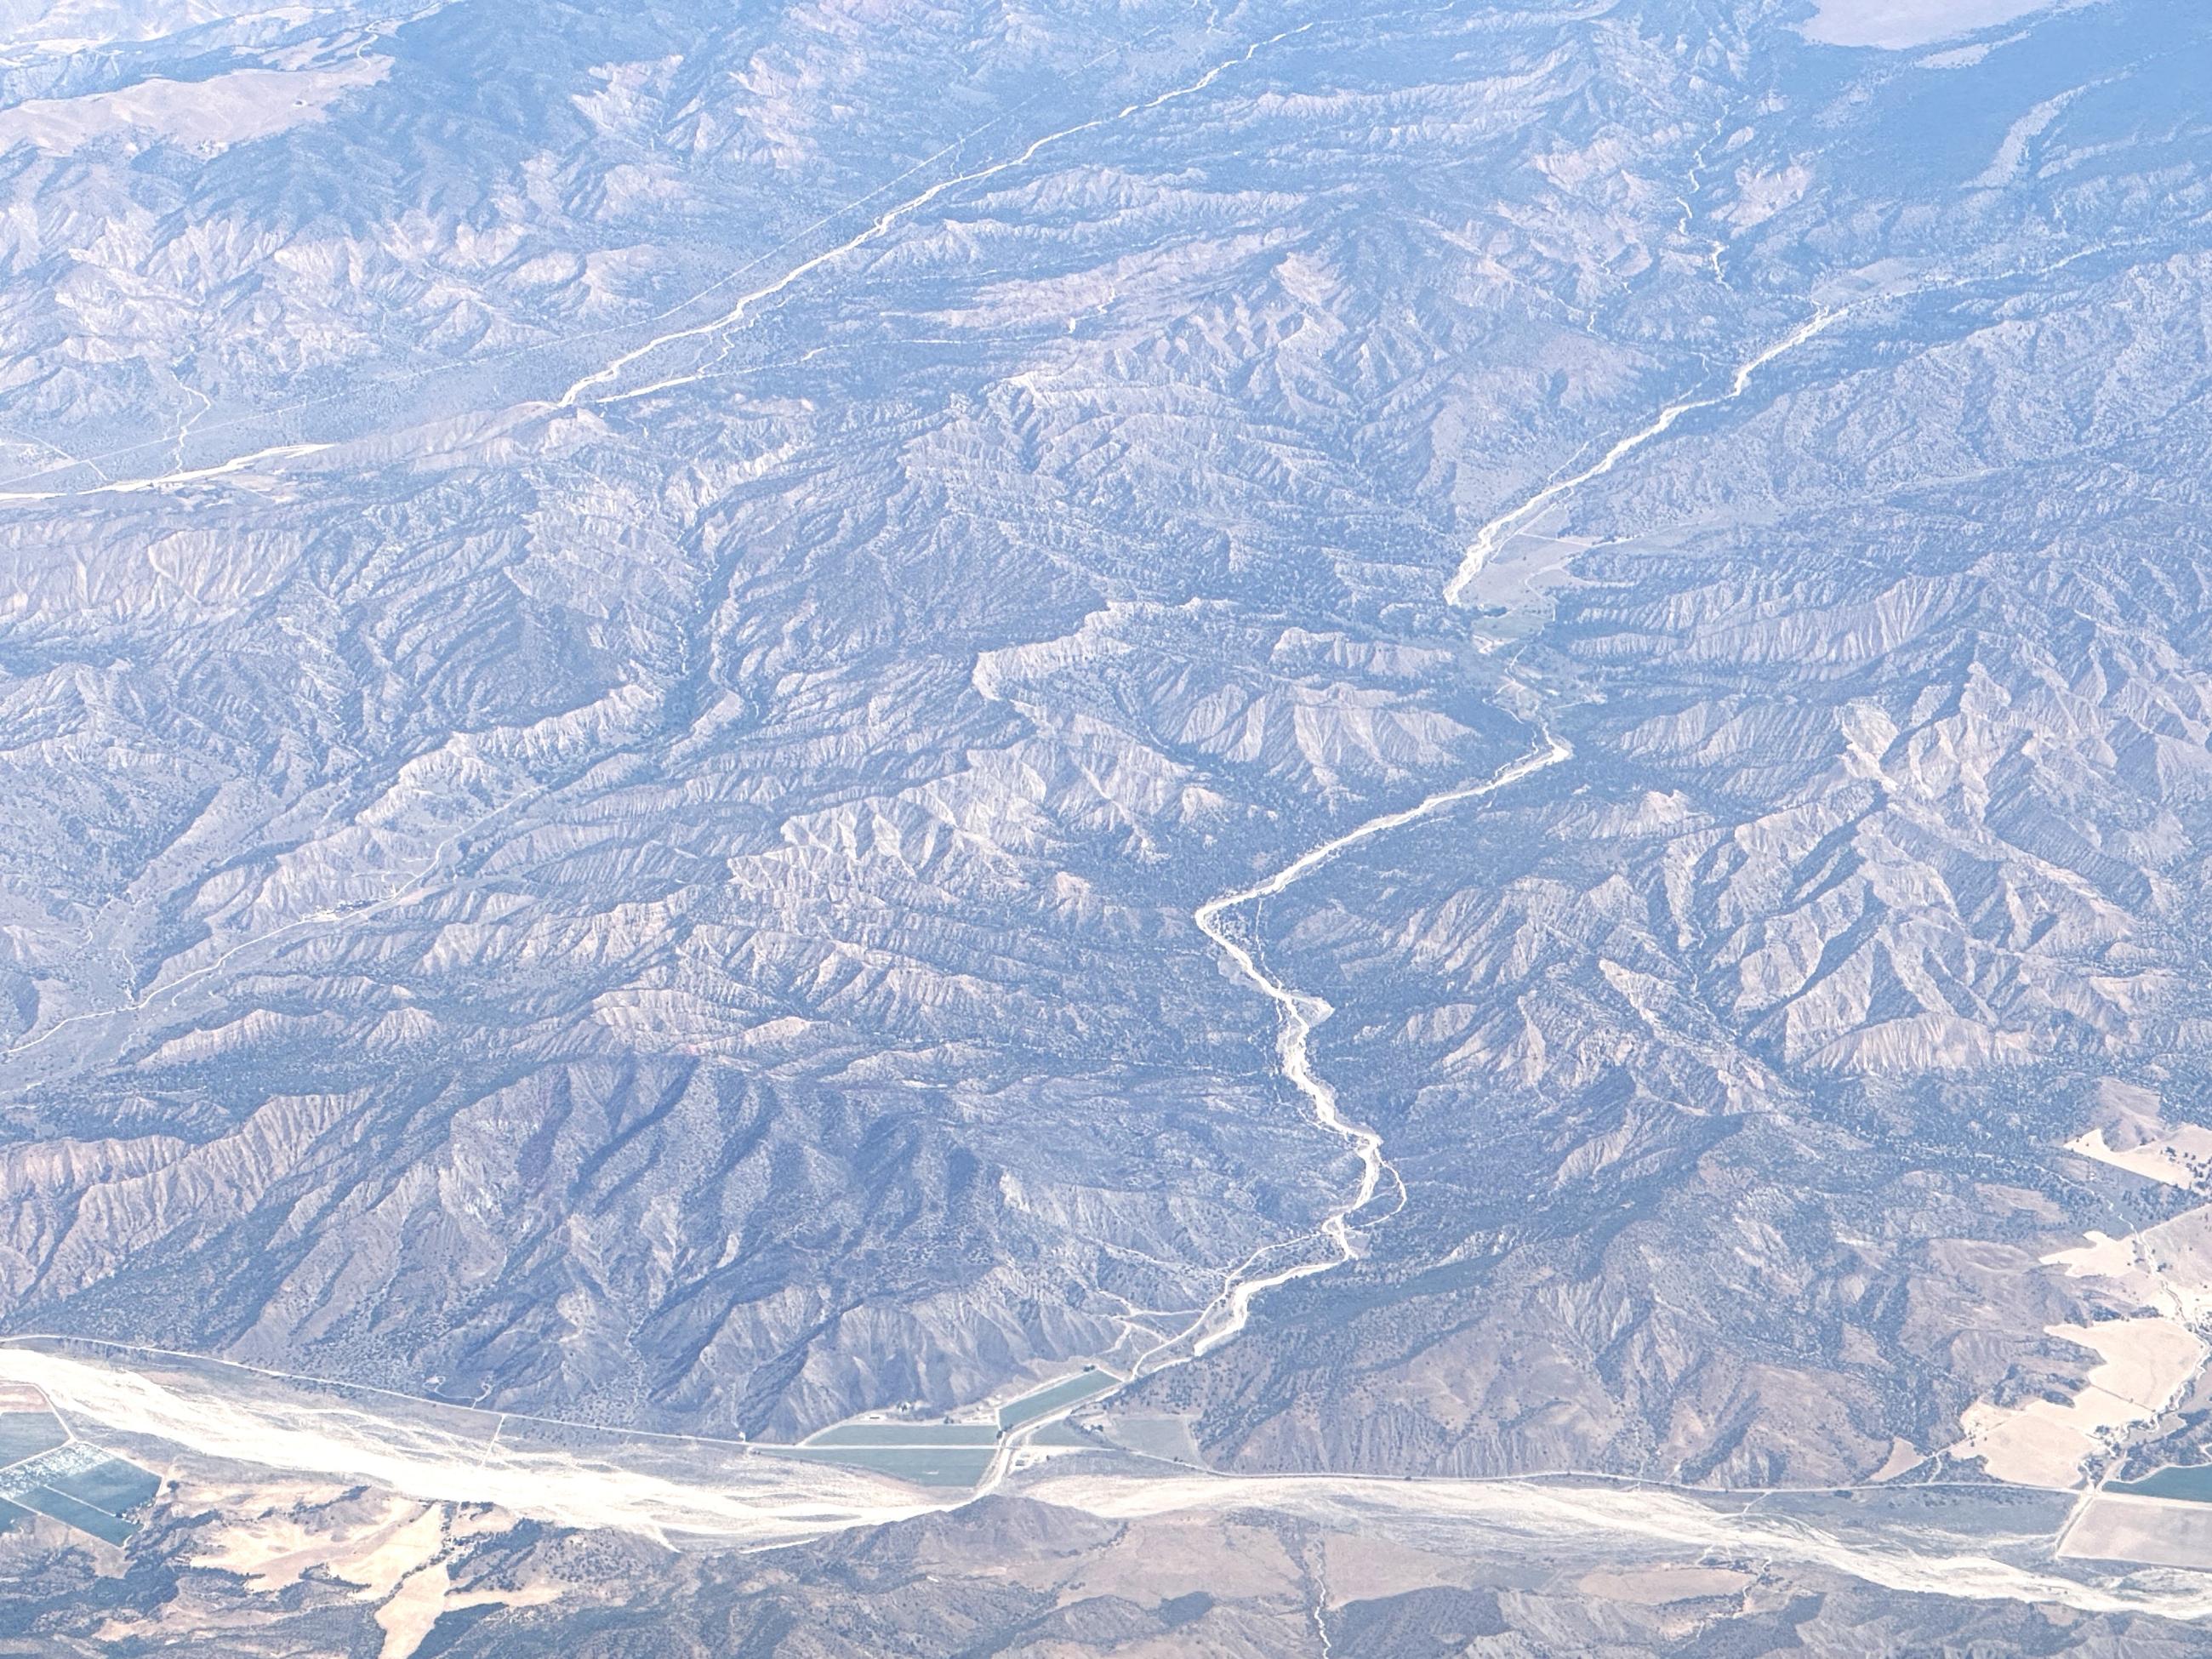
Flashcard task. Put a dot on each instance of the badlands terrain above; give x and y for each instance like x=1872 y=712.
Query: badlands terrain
x=1258 y=828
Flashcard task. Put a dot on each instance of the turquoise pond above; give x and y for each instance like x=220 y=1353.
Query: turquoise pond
x=2192 y=1482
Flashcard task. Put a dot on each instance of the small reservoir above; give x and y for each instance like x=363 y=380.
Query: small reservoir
x=2191 y=1482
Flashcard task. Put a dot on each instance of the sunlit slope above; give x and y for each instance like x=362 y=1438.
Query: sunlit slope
x=1731 y=1071
x=624 y=682
x=668 y=892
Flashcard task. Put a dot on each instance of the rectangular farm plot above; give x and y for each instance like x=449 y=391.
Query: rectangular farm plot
x=76 y=1512
x=1065 y=1436
x=907 y=1434
x=27 y=1433
x=1166 y=1438
x=1051 y=1398
x=2115 y=1526
x=111 y=1484
x=81 y=1486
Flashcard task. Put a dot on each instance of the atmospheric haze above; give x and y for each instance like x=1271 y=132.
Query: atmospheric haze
x=1235 y=828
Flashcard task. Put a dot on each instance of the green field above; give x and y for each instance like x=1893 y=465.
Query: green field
x=907 y=1434
x=1052 y=1397
x=76 y=1512
x=111 y=1484
x=25 y=1434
